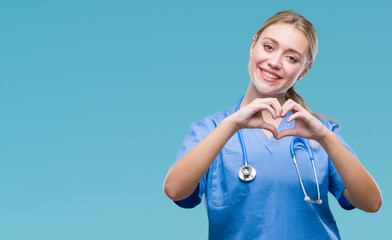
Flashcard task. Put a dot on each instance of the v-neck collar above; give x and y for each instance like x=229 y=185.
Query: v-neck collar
x=271 y=143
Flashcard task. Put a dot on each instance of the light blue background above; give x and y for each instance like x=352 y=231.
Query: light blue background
x=96 y=97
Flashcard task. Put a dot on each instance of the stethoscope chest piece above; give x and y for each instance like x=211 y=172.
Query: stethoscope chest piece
x=247 y=173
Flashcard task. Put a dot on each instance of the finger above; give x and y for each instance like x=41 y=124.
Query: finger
x=276 y=105
x=270 y=128
x=288 y=102
x=261 y=107
x=295 y=116
x=290 y=106
x=285 y=133
x=287 y=106
x=273 y=102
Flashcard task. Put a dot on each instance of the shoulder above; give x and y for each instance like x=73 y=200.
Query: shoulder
x=209 y=123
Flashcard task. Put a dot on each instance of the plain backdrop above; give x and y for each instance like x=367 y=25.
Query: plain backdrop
x=97 y=96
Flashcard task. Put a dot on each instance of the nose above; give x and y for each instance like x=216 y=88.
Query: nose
x=275 y=61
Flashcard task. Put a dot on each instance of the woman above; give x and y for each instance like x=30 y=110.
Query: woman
x=243 y=203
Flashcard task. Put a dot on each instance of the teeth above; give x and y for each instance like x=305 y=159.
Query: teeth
x=269 y=75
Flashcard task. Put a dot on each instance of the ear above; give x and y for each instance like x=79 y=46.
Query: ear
x=304 y=72
x=253 y=45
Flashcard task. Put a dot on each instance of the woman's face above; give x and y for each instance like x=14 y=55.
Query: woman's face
x=277 y=59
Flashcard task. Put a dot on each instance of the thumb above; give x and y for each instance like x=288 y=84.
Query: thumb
x=270 y=128
x=286 y=132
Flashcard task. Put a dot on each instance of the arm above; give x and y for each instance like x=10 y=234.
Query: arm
x=182 y=179
x=361 y=189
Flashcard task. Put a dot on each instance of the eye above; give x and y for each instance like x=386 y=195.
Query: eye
x=268 y=47
x=292 y=59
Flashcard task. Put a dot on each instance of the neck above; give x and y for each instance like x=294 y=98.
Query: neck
x=251 y=94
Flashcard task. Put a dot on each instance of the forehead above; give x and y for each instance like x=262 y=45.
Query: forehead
x=287 y=36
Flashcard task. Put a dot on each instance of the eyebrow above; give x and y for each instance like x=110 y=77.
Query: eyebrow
x=290 y=49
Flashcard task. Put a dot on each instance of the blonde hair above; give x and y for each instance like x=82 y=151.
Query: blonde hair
x=307 y=28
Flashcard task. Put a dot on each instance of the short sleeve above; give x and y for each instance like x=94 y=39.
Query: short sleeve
x=336 y=185
x=197 y=132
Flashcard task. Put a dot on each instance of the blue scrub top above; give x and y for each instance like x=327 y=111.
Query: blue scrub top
x=271 y=206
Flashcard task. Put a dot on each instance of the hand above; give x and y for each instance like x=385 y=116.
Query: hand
x=306 y=125
x=250 y=116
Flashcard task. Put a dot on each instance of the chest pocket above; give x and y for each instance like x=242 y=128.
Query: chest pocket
x=225 y=186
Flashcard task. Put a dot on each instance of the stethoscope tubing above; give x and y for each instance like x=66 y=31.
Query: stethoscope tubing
x=241 y=138
x=311 y=157
x=251 y=175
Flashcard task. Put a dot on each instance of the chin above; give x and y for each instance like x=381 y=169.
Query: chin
x=264 y=89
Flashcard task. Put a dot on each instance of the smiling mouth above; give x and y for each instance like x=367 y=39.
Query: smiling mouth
x=270 y=77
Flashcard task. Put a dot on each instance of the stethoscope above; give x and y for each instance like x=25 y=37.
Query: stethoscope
x=247 y=173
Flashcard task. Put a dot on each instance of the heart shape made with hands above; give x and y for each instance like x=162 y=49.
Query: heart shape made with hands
x=306 y=125
x=271 y=128
x=267 y=114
